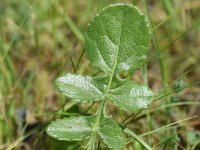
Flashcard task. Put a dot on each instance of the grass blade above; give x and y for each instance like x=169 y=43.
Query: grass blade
x=137 y=138
x=171 y=124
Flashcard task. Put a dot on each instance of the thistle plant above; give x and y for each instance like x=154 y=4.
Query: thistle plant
x=117 y=40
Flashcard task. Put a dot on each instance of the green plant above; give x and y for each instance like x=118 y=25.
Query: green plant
x=117 y=40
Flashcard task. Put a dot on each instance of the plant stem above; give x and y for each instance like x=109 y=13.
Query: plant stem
x=157 y=47
x=144 y=73
x=91 y=143
x=100 y=111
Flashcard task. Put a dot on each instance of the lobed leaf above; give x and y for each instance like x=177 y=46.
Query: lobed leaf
x=71 y=129
x=117 y=39
x=80 y=88
x=131 y=96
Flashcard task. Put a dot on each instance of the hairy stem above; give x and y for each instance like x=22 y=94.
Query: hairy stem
x=91 y=142
x=92 y=139
x=100 y=111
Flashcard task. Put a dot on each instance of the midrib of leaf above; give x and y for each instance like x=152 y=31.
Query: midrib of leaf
x=102 y=105
x=115 y=60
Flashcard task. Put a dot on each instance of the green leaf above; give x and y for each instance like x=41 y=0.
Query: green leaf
x=111 y=133
x=131 y=96
x=80 y=88
x=71 y=129
x=117 y=39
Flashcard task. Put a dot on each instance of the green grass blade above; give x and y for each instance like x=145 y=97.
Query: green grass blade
x=164 y=127
x=137 y=138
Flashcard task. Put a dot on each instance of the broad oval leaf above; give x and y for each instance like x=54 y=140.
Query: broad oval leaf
x=71 y=129
x=111 y=133
x=80 y=88
x=131 y=96
x=117 y=39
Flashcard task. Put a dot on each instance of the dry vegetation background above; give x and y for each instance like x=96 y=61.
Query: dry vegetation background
x=41 y=39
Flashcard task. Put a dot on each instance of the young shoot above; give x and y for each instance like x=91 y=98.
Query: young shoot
x=117 y=40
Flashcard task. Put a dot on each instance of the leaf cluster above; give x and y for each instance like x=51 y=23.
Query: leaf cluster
x=117 y=40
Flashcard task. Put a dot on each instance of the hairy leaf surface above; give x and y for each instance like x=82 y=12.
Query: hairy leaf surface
x=80 y=88
x=131 y=96
x=111 y=133
x=71 y=129
x=117 y=39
